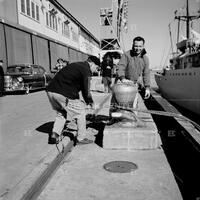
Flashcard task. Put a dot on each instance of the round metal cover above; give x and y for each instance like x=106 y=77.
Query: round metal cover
x=120 y=166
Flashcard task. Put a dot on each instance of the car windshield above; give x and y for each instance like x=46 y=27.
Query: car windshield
x=19 y=69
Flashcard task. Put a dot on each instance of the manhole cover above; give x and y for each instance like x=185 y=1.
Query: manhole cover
x=120 y=166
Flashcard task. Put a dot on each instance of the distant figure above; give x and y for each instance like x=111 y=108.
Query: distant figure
x=167 y=67
x=134 y=64
x=106 y=66
x=59 y=64
x=65 y=63
x=1 y=78
x=63 y=93
x=116 y=58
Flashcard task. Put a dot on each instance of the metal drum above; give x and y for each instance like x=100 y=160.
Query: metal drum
x=125 y=93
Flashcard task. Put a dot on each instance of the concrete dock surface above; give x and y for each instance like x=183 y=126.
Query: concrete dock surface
x=25 y=122
x=82 y=176
x=22 y=147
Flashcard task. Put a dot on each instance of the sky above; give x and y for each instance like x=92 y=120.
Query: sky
x=146 y=18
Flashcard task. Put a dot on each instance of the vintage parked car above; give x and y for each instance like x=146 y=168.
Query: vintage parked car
x=25 y=77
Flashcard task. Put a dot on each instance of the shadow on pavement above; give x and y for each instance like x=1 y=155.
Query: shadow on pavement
x=45 y=128
x=98 y=123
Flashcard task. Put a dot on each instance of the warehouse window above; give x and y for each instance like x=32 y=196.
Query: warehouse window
x=31 y=9
x=65 y=28
x=23 y=6
x=51 y=21
x=47 y=19
x=54 y=22
x=37 y=13
x=28 y=9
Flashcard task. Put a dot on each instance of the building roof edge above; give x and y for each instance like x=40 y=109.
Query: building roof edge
x=56 y=3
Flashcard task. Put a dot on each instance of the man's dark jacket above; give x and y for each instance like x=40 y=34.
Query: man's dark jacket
x=72 y=79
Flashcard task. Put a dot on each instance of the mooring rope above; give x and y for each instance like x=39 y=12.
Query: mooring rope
x=162 y=113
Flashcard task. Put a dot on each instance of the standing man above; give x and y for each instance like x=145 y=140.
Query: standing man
x=134 y=64
x=63 y=93
x=106 y=66
x=1 y=78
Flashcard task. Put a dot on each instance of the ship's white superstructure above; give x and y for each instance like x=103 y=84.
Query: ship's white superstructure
x=180 y=82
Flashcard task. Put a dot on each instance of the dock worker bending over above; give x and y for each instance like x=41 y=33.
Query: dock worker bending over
x=63 y=93
x=134 y=64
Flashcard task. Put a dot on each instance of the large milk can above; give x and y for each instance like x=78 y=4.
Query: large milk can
x=125 y=93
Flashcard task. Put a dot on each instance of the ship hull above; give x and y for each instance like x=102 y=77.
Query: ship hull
x=181 y=86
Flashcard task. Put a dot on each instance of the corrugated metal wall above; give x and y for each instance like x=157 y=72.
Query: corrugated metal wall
x=40 y=49
x=18 y=46
x=24 y=47
x=58 y=51
x=2 y=47
x=73 y=55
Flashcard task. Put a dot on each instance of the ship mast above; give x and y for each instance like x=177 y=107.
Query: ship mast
x=187 y=18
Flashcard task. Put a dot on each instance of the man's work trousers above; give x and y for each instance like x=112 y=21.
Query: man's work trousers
x=68 y=109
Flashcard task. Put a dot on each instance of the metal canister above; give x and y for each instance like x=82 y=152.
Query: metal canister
x=125 y=93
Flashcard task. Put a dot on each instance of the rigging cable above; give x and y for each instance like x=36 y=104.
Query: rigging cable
x=167 y=57
x=164 y=51
x=171 y=40
x=163 y=113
